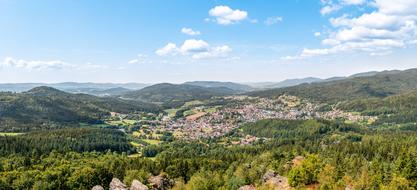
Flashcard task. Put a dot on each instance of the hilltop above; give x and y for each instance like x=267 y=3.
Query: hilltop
x=42 y=106
x=382 y=84
x=215 y=84
x=170 y=95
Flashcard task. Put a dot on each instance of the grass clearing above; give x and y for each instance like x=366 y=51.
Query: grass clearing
x=152 y=141
x=171 y=112
x=193 y=103
x=135 y=144
x=10 y=134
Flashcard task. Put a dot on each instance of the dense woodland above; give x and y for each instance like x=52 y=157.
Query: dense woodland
x=46 y=108
x=336 y=155
x=380 y=85
x=56 y=153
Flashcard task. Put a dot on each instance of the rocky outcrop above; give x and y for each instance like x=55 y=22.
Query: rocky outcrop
x=276 y=181
x=268 y=175
x=116 y=184
x=97 y=187
x=247 y=187
x=137 y=185
x=161 y=182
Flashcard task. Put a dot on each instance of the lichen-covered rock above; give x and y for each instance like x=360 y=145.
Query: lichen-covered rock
x=161 y=182
x=276 y=181
x=137 y=185
x=268 y=175
x=279 y=182
x=97 y=187
x=116 y=184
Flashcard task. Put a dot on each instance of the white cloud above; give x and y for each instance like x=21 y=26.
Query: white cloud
x=133 y=61
x=353 y=2
x=402 y=7
x=216 y=52
x=196 y=49
x=317 y=34
x=273 y=20
x=332 y=6
x=224 y=15
x=25 y=64
x=190 y=32
x=140 y=59
x=194 y=46
x=388 y=25
x=328 y=9
x=169 y=49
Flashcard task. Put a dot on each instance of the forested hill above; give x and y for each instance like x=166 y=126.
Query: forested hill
x=171 y=95
x=380 y=85
x=41 y=106
x=215 y=84
x=394 y=109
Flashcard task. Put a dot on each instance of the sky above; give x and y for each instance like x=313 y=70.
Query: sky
x=150 y=41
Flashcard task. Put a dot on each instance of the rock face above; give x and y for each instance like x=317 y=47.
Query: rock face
x=161 y=182
x=279 y=182
x=116 y=184
x=136 y=185
x=276 y=181
x=268 y=175
x=247 y=187
x=97 y=187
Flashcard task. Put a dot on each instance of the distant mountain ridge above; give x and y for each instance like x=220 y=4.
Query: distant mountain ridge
x=71 y=86
x=216 y=84
x=307 y=80
x=176 y=94
x=380 y=84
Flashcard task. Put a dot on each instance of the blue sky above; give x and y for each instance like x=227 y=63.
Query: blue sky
x=175 y=41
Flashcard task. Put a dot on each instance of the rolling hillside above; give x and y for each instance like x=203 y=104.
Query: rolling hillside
x=170 y=95
x=379 y=85
x=45 y=107
x=393 y=109
x=214 y=84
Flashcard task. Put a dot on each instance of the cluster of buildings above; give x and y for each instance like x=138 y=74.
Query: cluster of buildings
x=230 y=117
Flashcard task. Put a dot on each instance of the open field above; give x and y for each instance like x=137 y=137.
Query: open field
x=152 y=141
x=10 y=134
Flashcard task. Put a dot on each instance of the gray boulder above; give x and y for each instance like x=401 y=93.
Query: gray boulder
x=97 y=187
x=116 y=184
x=161 y=182
x=137 y=185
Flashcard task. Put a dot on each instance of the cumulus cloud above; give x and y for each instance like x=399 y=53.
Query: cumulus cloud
x=26 y=64
x=273 y=20
x=353 y=2
x=190 y=32
x=332 y=6
x=328 y=9
x=387 y=26
x=169 y=49
x=225 y=15
x=194 y=46
x=196 y=49
x=140 y=59
x=216 y=52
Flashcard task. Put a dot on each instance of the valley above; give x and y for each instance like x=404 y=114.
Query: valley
x=214 y=137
